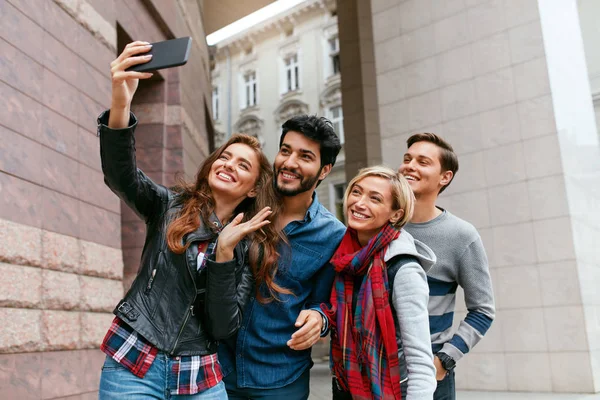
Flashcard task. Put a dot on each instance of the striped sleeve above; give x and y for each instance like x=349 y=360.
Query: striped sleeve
x=474 y=278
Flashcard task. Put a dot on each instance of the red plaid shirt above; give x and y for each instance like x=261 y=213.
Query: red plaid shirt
x=190 y=374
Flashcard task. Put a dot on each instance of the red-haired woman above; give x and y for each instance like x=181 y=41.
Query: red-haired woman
x=198 y=267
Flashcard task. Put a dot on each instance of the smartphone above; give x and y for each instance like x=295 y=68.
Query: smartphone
x=167 y=54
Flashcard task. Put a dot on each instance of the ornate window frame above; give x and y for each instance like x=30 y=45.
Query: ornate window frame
x=290 y=49
x=289 y=108
x=330 y=98
x=252 y=125
x=250 y=66
x=330 y=32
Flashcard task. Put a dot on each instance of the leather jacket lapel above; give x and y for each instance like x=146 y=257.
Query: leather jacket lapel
x=204 y=232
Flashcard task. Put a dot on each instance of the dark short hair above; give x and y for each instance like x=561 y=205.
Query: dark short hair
x=319 y=129
x=448 y=158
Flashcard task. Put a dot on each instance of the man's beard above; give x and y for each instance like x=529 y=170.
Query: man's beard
x=306 y=184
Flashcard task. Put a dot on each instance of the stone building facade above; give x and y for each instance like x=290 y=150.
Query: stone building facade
x=68 y=247
x=284 y=66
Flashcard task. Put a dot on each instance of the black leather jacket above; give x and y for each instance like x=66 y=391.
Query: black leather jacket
x=176 y=309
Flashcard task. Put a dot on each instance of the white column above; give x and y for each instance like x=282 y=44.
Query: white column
x=577 y=368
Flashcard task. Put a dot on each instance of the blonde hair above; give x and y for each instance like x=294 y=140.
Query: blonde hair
x=402 y=195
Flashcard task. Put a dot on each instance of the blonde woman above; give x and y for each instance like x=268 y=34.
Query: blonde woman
x=380 y=344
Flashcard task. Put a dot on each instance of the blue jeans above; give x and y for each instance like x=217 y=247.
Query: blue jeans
x=297 y=390
x=446 y=389
x=117 y=382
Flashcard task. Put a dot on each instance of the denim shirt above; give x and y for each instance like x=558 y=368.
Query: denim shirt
x=259 y=355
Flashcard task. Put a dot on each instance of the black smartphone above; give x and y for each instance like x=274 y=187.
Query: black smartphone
x=167 y=54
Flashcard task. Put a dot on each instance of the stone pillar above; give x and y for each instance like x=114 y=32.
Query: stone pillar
x=576 y=363
x=361 y=115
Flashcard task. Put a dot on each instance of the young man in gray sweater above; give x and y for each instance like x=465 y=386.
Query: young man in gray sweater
x=429 y=165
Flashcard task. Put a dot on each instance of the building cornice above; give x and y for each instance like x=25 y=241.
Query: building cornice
x=280 y=23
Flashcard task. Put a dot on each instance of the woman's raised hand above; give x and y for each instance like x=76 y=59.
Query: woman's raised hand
x=125 y=83
x=235 y=231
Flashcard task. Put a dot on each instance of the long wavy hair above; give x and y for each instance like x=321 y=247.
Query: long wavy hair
x=197 y=205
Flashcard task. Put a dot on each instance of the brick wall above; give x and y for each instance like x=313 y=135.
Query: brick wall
x=64 y=237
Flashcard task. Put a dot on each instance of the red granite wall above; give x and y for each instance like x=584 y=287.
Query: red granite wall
x=67 y=246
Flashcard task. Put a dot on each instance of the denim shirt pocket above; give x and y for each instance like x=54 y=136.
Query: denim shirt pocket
x=305 y=262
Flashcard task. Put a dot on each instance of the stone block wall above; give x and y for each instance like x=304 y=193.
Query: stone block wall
x=505 y=82
x=57 y=294
x=68 y=247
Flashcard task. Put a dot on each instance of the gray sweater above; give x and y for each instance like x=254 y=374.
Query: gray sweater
x=461 y=261
x=410 y=295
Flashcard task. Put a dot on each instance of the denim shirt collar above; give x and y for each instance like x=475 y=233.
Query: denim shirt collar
x=313 y=209
x=311 y=213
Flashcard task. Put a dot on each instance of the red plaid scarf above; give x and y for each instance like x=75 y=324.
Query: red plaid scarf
x=364 y=352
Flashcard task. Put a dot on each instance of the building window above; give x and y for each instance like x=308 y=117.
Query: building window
x=337 y=119
x=292 y=72
x=215 y=103
x=339 y=190
x=250 y=89
x=334 y=54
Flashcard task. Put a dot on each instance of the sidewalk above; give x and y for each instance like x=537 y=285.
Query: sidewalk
x=320 y=389
x=472 y=395
x=320 y=382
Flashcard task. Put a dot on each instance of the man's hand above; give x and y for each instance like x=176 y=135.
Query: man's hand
x=440 y=372
x=311 y=324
